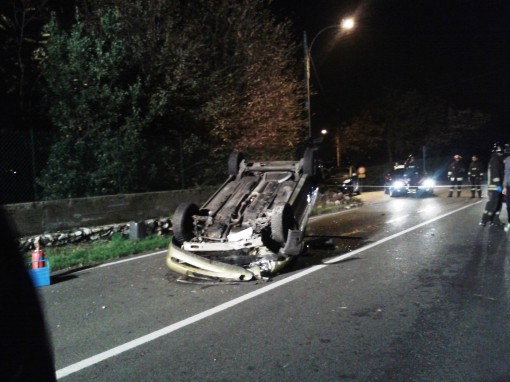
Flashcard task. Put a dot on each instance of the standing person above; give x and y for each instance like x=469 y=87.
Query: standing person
x=456 y=172
x=495 y=178
x=475 y=175
x=506 y=183
x=412 y=170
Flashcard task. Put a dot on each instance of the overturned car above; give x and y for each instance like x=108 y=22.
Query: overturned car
x=252 y=226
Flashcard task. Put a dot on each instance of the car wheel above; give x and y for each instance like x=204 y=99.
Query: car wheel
x=182 y=222
x=309 y=162
x=234 y=160
x=281 y=221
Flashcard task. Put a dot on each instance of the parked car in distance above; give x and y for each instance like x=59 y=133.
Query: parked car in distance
x=343 y=179
x=351 y=186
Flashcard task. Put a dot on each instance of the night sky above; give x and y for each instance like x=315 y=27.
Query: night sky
x=458 y=50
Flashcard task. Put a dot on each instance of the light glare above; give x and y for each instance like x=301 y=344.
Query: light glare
x=428 y=183
x=347 y=23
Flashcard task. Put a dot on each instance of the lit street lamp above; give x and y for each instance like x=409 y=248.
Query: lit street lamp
x=345 y=25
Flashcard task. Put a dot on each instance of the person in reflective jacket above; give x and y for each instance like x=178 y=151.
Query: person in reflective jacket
x=475 y=175
x=456 y=172
x=495 y=175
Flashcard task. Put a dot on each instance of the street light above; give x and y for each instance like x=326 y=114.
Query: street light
x=345 y=25
x=348 y=23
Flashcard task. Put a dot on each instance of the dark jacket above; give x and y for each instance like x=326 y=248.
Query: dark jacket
x=456 y=170
x=506 y=163
x=495 y=172
x=476 y=169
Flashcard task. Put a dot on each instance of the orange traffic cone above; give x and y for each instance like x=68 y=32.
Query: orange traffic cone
x=37 y=257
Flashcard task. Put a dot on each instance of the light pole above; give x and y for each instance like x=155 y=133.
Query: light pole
x=345 y=25
x=181 y=157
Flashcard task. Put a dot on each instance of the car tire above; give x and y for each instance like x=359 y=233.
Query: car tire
x=182 y=222
x=309 y=167
x=281 y=221
x=234 y=161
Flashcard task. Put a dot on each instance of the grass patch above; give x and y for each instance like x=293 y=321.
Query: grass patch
x=88 y=254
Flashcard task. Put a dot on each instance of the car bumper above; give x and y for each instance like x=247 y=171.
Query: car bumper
x=398 y=191
x=193 y=265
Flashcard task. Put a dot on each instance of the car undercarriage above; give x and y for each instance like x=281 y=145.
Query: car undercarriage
x=252 y=226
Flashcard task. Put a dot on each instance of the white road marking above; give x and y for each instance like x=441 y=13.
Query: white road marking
x=397 y=219
x=123 y=261
x=198 y=317
x=132 y=258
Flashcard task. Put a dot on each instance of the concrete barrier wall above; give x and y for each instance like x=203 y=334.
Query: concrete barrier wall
x=60 y=215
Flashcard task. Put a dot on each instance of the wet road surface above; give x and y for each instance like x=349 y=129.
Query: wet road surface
x=401 y=289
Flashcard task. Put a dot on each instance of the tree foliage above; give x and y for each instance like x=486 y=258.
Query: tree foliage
x=20 y=23
x=361 y=137
x=255 y=99
x=97 y=108
x=404 y=122
x=228 y=69
x=204 y=78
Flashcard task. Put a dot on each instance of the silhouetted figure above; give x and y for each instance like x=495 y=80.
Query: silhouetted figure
x=495 y=178
x=26 y=354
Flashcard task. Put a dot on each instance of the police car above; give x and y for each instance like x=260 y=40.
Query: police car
x=402 y=182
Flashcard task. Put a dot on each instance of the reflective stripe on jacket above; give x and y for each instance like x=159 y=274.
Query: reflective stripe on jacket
x=475 y=169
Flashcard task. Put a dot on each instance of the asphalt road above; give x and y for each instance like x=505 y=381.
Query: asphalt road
x=401 y=289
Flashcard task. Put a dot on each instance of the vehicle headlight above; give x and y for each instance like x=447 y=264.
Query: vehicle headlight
x=429 y=183
x=398 y=184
